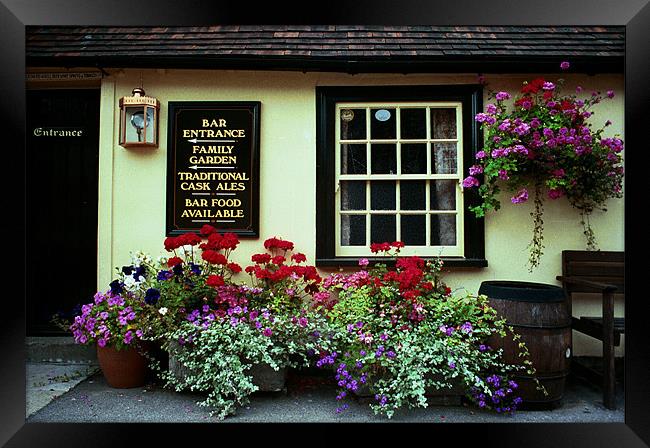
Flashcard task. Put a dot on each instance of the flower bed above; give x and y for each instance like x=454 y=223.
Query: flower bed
x=398 y=334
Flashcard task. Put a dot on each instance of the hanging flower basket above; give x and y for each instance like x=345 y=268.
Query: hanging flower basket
x=544 y=145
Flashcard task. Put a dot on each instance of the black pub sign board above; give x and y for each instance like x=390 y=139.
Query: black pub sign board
x=213 y=154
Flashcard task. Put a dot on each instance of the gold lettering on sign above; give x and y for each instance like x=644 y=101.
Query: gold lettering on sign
x=242 y=176
x=213 y=160
x=214 y=171
x=211 y=133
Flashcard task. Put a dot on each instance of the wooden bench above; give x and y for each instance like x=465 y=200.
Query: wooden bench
x=599 y=272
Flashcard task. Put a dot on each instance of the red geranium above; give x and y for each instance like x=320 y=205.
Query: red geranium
x=261 y=258
x=534 y=86
x=229 y=241
x=410 y=263
x=207 y=230
x=278 y=260
x=379 y=247
x=299 y=258
x=190 y=239
x=273 y=243
x=411 y=294
x=172 y=243
x=173 y=261
x=214 y=257
x=234 y=267
x=215 y=281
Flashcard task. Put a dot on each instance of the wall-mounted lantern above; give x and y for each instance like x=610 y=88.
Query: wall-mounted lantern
x=139 y=120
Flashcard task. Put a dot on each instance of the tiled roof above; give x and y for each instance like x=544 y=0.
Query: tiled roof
x=335 y=45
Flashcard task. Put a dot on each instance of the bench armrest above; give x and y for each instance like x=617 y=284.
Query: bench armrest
x=602 y=287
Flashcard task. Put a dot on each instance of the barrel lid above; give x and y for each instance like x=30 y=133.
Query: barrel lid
x=517 y=291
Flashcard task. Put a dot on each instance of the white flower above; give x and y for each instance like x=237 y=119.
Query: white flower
x=129 y=283
x=163 y=310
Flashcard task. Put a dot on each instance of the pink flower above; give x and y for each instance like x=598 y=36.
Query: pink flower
x=502 y=96
x=470 y=181
x=521 y=197
x=610 y=94
x=555 y=193
x=475 y=169
x=564 y=65
x=363 y=262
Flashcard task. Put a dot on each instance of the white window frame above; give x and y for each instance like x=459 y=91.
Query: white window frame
x=426 y=250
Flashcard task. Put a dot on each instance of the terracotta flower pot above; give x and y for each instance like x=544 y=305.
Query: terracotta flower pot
x=123 y=369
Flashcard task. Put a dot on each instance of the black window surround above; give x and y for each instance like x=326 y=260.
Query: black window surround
x=471 y=98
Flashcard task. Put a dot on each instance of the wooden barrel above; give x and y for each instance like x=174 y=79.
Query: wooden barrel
x=540 y=315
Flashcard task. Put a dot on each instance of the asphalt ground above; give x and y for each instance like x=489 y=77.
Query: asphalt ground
x=308 y=398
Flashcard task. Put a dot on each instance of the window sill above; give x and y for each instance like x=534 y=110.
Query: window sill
x=449 y=262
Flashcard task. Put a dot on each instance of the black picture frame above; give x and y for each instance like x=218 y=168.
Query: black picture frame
x=633 y=14
x=471 y=98
x=252 y=212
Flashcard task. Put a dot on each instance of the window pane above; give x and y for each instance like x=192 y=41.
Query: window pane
x=414 y=232
x=414 y=158
x=353 y=230
x=382 y=228
x=413 y=123
x=382 y=124
x=353 y=159
x=443 y=123
x=353 y=124
x=353 y=195
x=382 y=195
x=443 y=158
x=443 y=230
x=384 y=159
x=412 y=194
x=443 y=194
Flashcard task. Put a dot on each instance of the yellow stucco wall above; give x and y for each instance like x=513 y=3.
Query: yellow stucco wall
x=132 y=181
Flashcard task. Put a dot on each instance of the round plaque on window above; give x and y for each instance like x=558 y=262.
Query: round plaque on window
x=347 y=115
x=382 y=115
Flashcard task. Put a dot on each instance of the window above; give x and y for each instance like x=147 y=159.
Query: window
x=390 y=163
x=397 y=177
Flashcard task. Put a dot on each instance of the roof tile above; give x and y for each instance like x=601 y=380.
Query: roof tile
x=421 y=43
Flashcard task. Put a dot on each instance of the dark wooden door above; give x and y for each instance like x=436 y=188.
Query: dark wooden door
x=61 y=203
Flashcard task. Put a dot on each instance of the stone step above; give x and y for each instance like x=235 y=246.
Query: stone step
x=59 y=349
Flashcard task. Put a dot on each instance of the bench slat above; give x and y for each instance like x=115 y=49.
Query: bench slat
x=585 y=255
x=596 y=268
